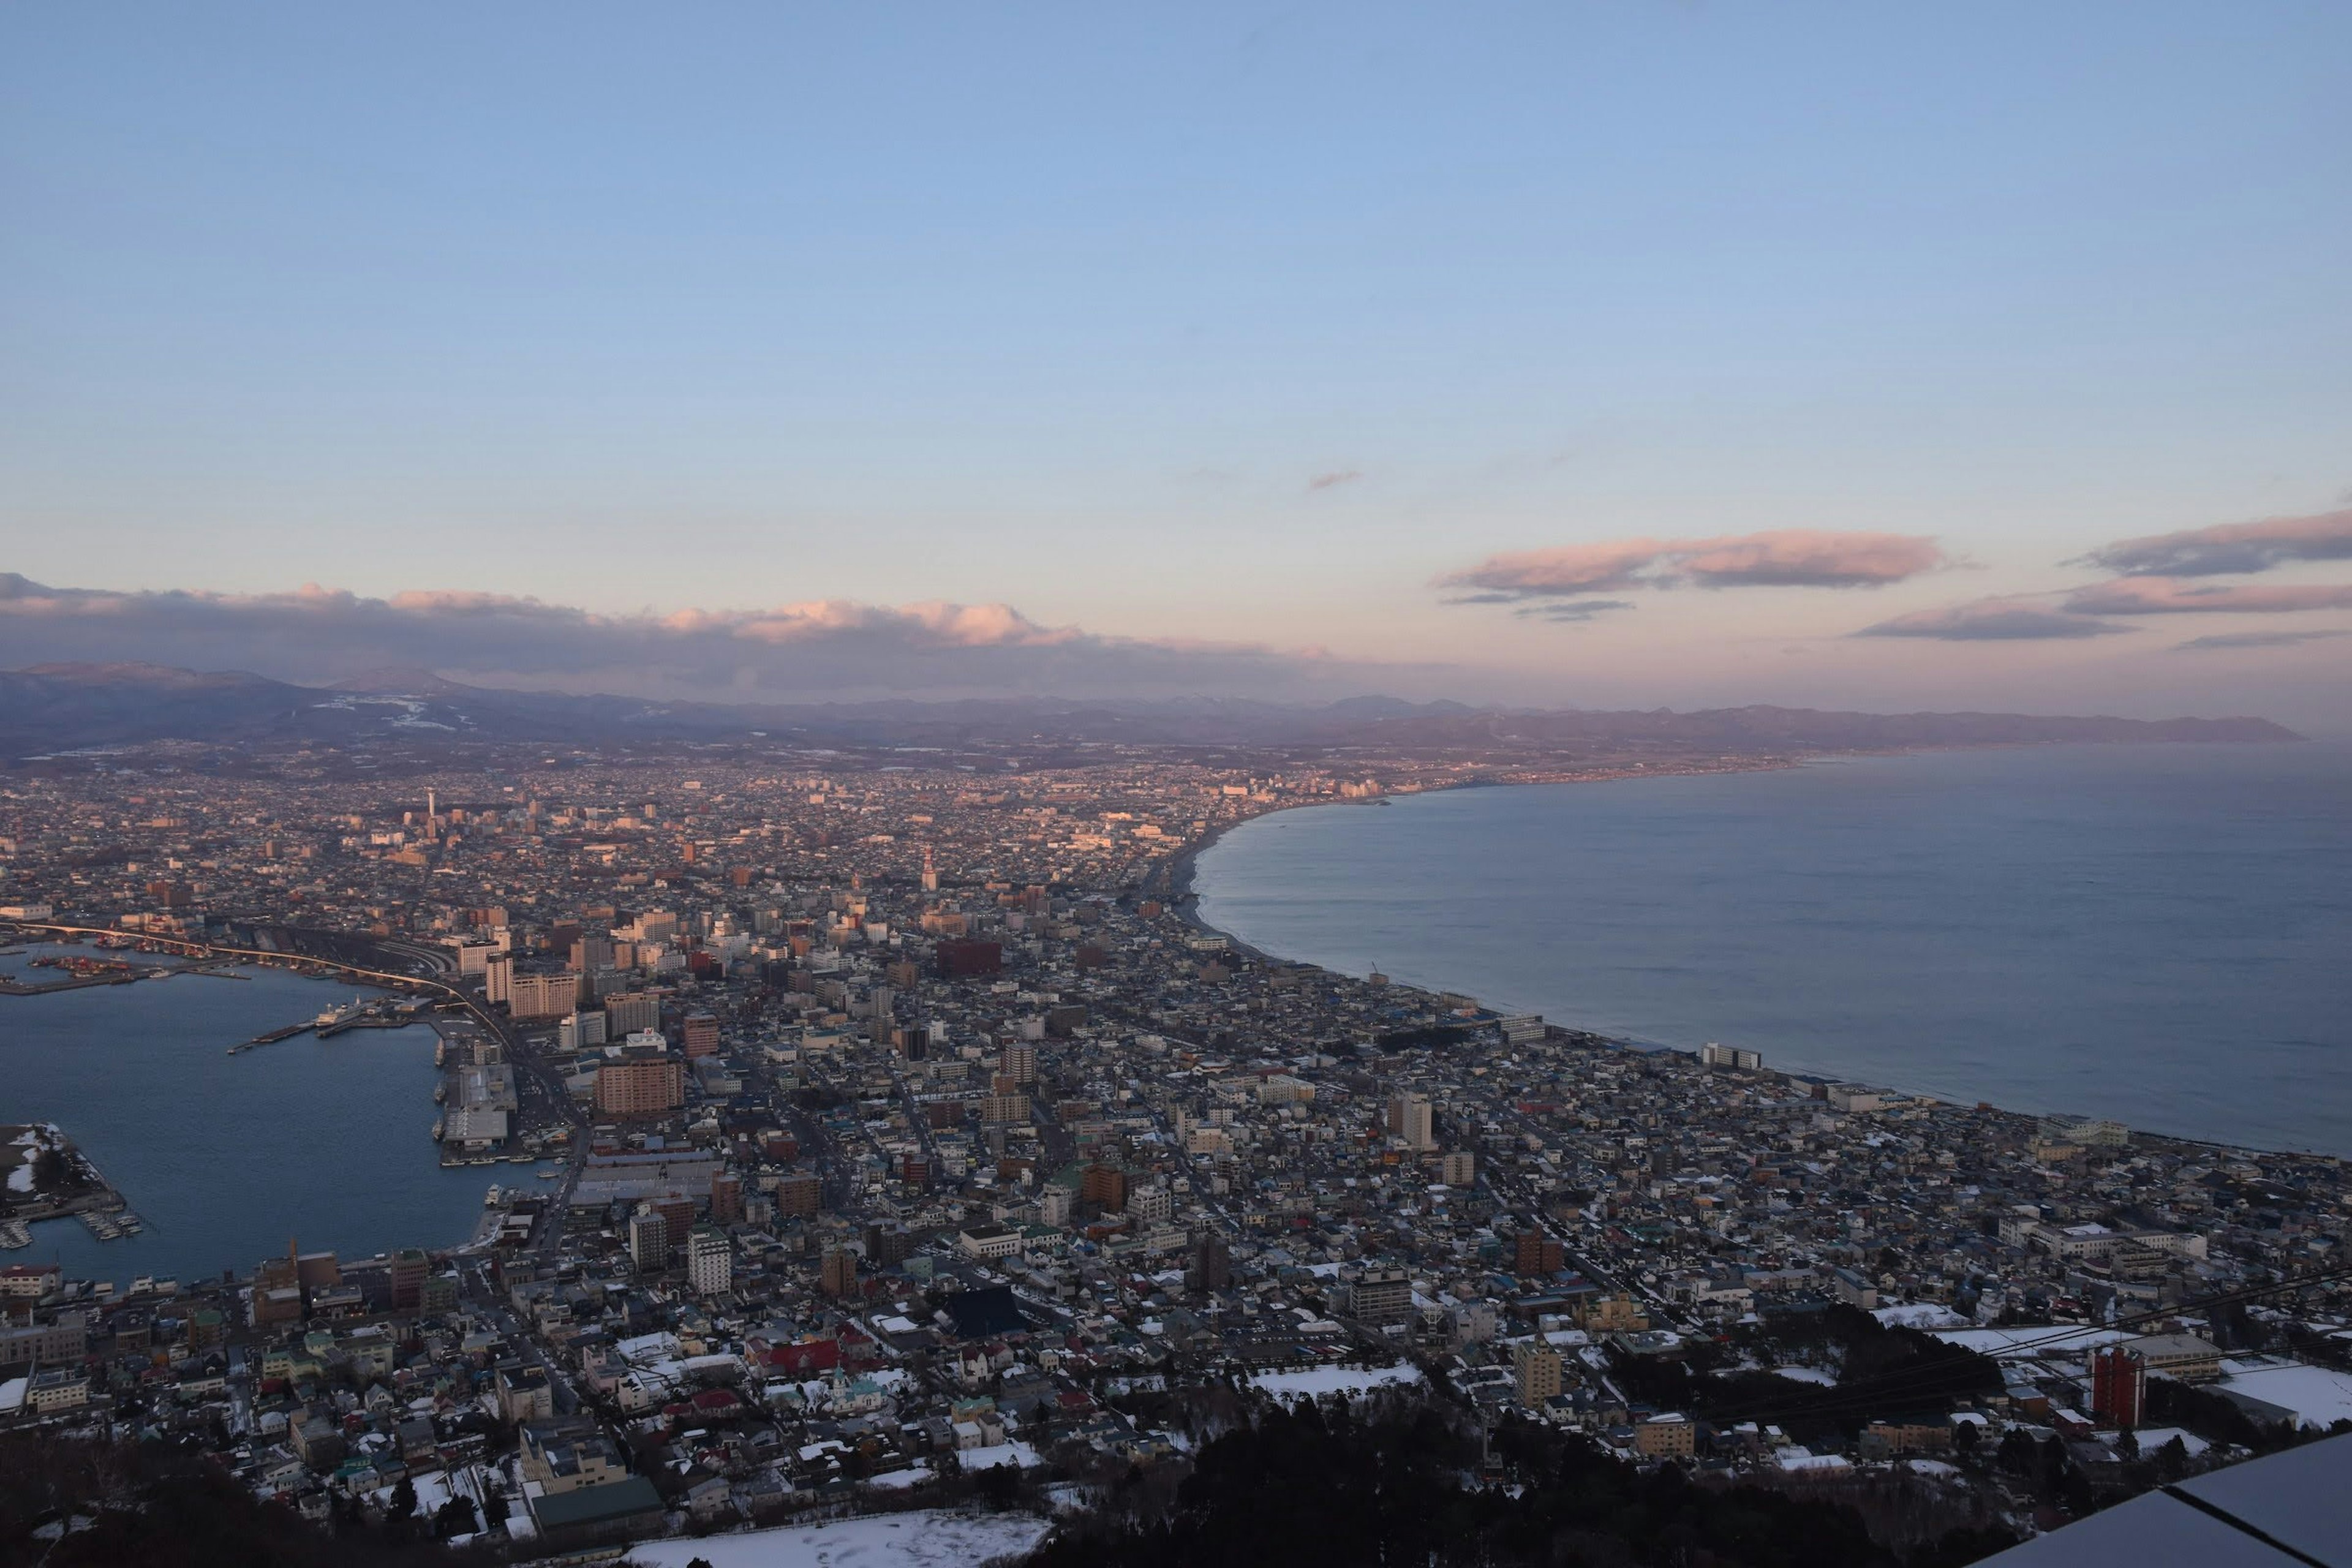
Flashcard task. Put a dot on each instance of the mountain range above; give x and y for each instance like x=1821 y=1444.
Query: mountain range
x=52 y=708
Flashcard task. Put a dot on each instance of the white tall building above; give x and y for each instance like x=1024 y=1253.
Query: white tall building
x=1410 y=1119
x=709 y=1261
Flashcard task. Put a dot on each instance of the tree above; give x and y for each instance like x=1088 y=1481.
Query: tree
x=456 y=1517
x=403 y=1500
x=1000 y=1486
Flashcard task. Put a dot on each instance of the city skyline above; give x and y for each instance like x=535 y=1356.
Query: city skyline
x=1211 y=353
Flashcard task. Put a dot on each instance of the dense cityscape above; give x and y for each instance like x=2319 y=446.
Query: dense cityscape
x=890 y=1135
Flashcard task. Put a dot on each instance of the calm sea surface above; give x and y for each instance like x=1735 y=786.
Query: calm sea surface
x=226 y=1157
x=2160 y=934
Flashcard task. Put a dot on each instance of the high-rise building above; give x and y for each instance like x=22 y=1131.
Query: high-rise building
x=701 y=1033
x=630 y=1013
x=1411 y=1119
x=838 y=1274
x=725 y=1198
x=1212 y=1262
x=1381 y=1295
x=800 y=1193
x=710 y=1260
x=580 y=1030
x=1021 y=1063
x=648 y=1240
x=409 y=1268
x=2118 y=1386
x=1536 y=1370
x=1458 y=1169
x=1104 y=1184
x=646 y=1081
x=1537 y=1254
x=543 y=996
x=968 y=956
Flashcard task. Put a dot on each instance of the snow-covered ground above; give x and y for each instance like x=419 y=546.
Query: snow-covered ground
x=1322 y=1380
x=1017 y=1453
x=901 y=1481
x=2318 y=1395
x=2003 y=1344
x=1807 y=1374
x=1795 y=1460
x=928 y=1540
x=1920 y=1315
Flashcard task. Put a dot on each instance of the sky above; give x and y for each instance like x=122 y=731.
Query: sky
x=1636 y=353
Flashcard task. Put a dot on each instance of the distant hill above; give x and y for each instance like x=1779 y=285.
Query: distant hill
x=54 y=707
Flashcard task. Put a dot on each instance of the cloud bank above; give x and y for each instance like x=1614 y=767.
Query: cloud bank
x=2230 y=547
x=2223 y=641
x=2155 y=567
x=2164 y=597
x=2021 y=618
x=1784 y=558
x=817 y=647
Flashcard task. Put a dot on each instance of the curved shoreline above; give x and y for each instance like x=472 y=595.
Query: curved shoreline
x=1184 y=902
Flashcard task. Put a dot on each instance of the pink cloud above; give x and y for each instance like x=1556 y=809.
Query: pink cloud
x=811 y=646
x=1793 y=557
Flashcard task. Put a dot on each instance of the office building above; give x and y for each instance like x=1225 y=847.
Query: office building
x=710 y=1260
x=1536 y=1372
x=644 y=1080
x=1409 y=1117
x=648 y=1240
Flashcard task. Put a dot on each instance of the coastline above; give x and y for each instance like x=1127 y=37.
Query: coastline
x=398 y=1193
x=1183 y=902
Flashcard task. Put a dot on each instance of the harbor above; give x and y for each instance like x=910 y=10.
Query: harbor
x=48 y=1178
x=218 y=1157
x=368 y=1013
x=78 y=971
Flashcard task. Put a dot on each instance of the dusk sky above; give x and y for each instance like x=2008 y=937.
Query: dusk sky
x=1613 y=354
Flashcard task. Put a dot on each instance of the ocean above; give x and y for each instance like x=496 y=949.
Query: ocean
x=2158 y=934
x=227 y=1158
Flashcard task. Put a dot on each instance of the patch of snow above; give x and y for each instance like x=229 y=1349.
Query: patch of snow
x=1315 y=1382
x=932 y=1538
x=901 y=1481
x=2319 y=1396
x=1017 y=1453
x=1805 y=1460
x=2006 y=1345
x=1921 y=1315
x=1812 y=1374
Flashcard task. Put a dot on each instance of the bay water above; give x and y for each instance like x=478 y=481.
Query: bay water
x=227 y=1158
x=2158 y=934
